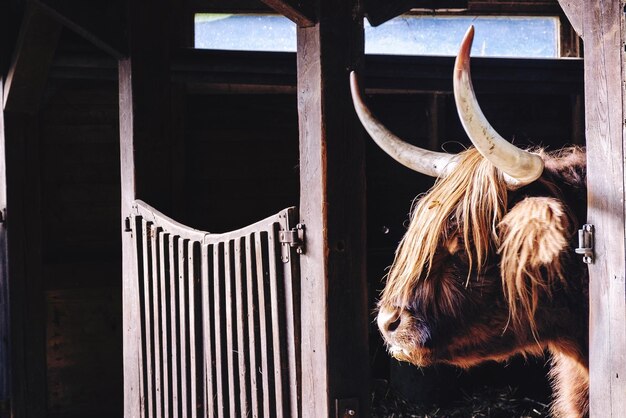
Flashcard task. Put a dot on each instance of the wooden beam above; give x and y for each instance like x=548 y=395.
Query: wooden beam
x=145 y=153
x=605 y=98
x=334 y=310
x=573 y=9
x=27 y=75
x=100 y=22
x=299 y=11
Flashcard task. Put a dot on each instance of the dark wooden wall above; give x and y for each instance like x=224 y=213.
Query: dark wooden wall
x=80 y=194
x=241 y=159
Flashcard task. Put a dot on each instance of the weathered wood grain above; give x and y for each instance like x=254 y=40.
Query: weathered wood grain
x=573 y=9
x=145 y=166
x=332 y=205
x=603 y=29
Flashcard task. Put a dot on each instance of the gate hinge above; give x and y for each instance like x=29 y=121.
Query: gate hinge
x=586 y=243
x=293 y=238
x=347 y=408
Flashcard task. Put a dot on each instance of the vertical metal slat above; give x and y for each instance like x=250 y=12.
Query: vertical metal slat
x=194 y=271
x=173 y=325
x=253 y=325
x=261 y=257
x=207 y=326
x=241 y=352
x=277 y=322
x=183 y=319
x=219 y=322
x=231 y=347
x=155 y=237
x=220 y=331
x=166 y=368
x=148 y=325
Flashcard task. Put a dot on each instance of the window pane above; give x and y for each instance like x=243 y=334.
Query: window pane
x=245 y=32
x=494 y=36
x=404 y=35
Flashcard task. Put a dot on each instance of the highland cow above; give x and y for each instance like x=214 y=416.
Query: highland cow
x=486 y=269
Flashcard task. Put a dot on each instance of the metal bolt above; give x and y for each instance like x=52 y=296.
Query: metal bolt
x=350 y=412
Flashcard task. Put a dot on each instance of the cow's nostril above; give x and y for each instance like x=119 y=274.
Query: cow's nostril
x=394 y=324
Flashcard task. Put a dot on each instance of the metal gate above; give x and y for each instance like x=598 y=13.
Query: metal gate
x=219 y=317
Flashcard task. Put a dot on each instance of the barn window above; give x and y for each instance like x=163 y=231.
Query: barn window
x=496 y=36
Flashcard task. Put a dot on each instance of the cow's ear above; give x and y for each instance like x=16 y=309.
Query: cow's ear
x=533 y=235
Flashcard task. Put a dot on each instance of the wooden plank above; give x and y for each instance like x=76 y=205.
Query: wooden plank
x=155 y=236
x=184 y=334
x=5 y=320
x=28 y=73
x=164 y=308
x=195 y=328
x=208 y=342
x=145 y=145
x=253 y=326
x=26 y=296
x=278 y=325
x=299 y=11
x=291 y=272
x=147 y=322
x=335 y=360
x=603 y=28
x=573 y=9
x=262 y=283
x=174 y=312
x=240 y=306
x=220 y=329
x=229 y=312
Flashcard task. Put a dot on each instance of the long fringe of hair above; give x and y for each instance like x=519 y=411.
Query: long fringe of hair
x=472 y=202
x=473 y=197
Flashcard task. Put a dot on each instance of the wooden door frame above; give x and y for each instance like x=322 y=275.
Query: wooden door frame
x=600 y=23
x=335 y=319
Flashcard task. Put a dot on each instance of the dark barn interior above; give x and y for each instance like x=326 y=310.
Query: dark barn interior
x=234 y=159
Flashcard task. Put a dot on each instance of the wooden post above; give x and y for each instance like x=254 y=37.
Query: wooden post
x=5 y=323
x=603 y=29
x=601 y=25
x=145 y=152
x=335 y=364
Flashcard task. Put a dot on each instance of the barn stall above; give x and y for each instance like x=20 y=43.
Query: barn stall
x=110 y=313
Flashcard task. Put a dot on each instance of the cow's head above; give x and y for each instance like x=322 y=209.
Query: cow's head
x=484 y=250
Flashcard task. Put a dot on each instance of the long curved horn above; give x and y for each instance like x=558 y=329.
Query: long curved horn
x=521 y=166
x=431 y=163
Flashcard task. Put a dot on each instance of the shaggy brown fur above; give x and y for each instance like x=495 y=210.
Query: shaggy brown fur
x=484 y=273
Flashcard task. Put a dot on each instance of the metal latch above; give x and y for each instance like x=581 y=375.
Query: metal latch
x=293 y=238
x=127 y=225
x=585 y=243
